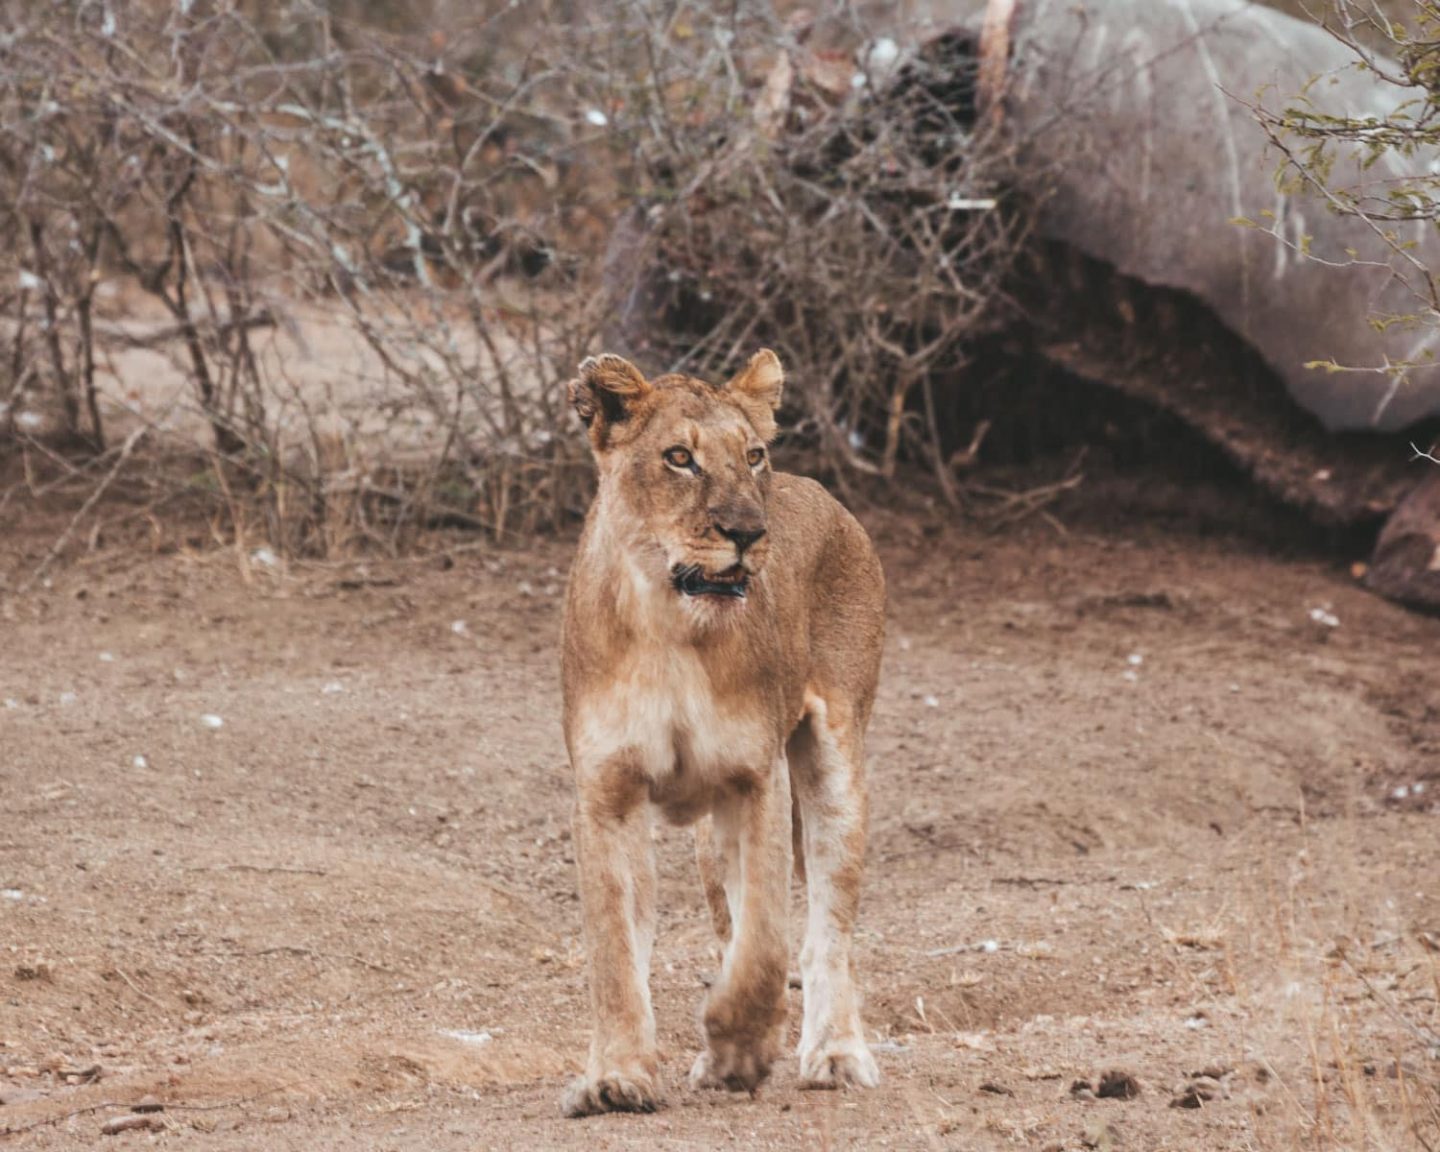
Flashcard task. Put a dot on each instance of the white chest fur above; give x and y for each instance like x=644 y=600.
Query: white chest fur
x=661 y=712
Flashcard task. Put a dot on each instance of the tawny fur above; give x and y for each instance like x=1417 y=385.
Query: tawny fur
x=746 y=714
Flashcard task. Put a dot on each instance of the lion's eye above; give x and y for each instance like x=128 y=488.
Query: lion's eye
x=755 y=456
x=679 y=458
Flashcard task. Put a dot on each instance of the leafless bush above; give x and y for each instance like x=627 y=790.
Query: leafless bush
x=434 y=186
x=860 y=216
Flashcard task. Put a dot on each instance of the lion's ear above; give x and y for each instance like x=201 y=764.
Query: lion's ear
x=605 y=390
x=759 y=386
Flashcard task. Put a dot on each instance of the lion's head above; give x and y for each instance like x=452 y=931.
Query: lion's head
x=685 y=469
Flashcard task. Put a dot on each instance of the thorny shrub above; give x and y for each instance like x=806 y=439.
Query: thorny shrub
x=442 y=181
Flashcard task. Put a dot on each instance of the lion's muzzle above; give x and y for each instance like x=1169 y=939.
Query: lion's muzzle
x=691 y=580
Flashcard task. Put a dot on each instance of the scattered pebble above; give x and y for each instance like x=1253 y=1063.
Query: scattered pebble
x=1199 y=1092
x=1135 y=659
x=596 y=117
x=1324 y=618
x=1131 y=675
x=458 y=627
x=467 y=1037
x=995 y=1088
x=12 y=893
x=210 y=720
x=525 y=588
x=332 y=688
x=140 y=762
x=1195 y=1023
x=132 y=1123
x=264 y=556
x=1117 y=1085
x=932 y=702
x=11 y=702
x=147 y=1104
x=107 y=657
x=68 y=698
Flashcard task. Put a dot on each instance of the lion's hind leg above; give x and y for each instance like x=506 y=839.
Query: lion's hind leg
x=827 y=769
x=744 y=1015
x=712 y=865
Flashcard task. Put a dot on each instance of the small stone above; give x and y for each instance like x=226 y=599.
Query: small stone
x=1199 y=1092
x=1118 y=1085
x=147 y=1104
x=130 y=1124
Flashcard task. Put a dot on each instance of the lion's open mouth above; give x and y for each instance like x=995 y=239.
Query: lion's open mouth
x=692 y=581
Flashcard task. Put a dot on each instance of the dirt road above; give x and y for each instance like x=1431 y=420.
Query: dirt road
x=287 y=849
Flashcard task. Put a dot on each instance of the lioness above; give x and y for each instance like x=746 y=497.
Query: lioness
x=722 y=636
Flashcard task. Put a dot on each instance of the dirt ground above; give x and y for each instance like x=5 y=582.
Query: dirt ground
x=286 y=848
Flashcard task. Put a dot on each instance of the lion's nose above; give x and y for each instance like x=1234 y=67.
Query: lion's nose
x=741 y=535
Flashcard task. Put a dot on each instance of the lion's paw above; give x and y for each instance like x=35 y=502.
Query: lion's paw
x=633 y=1091
x=839 y=1064
x=734 y=1067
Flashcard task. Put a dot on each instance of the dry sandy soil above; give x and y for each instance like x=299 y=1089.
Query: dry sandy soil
x=1134 y=811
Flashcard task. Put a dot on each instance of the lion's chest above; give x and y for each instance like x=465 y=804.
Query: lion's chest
x=662 y=711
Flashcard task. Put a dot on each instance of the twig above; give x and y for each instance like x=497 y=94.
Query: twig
x=139 y=991
x=121 y=334
x=1419 y=455
x=1015 y=506
x=263 y=868
x=1429 y=1039
x=59 y=546
x=101 y=1107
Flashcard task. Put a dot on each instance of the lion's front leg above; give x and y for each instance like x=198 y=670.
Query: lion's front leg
x=744 y=1015
x=617 y=894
